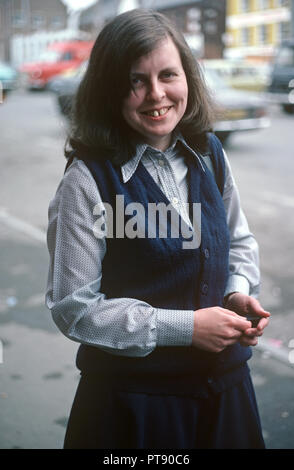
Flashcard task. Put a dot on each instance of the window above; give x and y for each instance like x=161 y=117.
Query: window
x=245 y=36
x=38 y=21
x=66 y=56
x=18 y=19
x=284 y=31
x=282 y=3
x=244 y=6
x=262 y=34
x=263 y=4
x=49 y=56
x=57 y=22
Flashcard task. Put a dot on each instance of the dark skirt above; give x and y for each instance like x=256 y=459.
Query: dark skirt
x=105 y=417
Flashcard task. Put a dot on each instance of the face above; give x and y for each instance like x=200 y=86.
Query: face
x=159 y=94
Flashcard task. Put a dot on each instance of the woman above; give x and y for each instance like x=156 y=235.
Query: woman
x=153 y=268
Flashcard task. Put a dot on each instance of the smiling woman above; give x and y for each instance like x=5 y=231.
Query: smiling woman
x=158 y=98
x=117 y=70
x=161 y=320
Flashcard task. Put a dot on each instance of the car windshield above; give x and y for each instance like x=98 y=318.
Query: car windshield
x=213 y=80
x=6 y=71
x=5 y=68
x=285 y=57
x=50 y=56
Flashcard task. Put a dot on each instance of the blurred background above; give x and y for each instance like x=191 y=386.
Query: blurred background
x=246 y=48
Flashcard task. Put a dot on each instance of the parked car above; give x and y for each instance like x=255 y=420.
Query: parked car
x=238 y=111
x=65 y=85
x=8 y=79
x=58 y=58
x=241 y=74
x=281 y=86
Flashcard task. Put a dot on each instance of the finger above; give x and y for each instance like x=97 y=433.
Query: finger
x=259 y=327
x=262 y=324
x=258 y=330
x=252 y=332
x=241 y=323
x=232 y=340
x=235 y=335
x=255 y=307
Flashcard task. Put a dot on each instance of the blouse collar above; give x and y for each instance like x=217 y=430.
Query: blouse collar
x=129 y=168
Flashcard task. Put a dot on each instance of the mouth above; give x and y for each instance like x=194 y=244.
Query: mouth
x=155 y=113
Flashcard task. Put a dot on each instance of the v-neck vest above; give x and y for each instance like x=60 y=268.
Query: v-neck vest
x=161 y=272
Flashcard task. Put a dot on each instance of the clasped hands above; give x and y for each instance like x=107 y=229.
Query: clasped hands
x=215 y=328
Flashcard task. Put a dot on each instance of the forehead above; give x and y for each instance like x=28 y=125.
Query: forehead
x=164 y=55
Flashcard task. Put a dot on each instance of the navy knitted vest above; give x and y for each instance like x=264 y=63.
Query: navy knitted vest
x=164 y=274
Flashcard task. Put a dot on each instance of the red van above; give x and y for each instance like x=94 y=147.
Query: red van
x=58 y=57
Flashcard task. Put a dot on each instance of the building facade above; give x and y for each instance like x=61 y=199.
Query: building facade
x=26 y=17
x=254 y=28
x=201 y=21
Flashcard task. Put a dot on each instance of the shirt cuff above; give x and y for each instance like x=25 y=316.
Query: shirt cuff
x=237 y=283
x=174 y=327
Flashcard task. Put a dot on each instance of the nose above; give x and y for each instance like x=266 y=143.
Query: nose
x=156 y=91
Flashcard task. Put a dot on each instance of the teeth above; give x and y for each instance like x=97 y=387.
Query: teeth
x=156 y=113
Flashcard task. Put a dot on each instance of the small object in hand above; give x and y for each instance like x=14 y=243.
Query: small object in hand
x=254 y=319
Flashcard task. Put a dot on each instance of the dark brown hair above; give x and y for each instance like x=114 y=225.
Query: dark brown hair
x=98 y=128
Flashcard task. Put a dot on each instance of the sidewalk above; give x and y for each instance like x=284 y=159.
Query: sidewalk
x=273 y=381
x=38 y=377
x=38 y=374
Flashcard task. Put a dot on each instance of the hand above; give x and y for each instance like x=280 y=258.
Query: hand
x=215 y=328
x=245 y=305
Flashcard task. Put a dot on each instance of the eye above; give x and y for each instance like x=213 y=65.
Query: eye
x=136 y=82
x=167 y=75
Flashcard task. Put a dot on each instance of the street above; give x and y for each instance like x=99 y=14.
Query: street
x=37 y=370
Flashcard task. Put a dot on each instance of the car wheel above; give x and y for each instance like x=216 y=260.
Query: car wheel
x=288 y=108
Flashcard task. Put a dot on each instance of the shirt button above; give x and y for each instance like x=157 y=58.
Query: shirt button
x=206 y=253
x=161 y=162
x=210 y=380
x=175 y=200
x=204 y=289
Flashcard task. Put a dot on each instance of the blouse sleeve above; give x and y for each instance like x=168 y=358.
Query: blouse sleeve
x=80 y=310
x=244 y=254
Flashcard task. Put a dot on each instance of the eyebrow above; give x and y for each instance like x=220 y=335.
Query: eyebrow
x=143 y=75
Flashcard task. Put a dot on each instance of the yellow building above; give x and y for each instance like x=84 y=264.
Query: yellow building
x=255 y=27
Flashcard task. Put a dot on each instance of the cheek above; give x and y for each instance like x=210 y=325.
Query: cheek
x=185 y=93
x=131 y=104
x=180 y=94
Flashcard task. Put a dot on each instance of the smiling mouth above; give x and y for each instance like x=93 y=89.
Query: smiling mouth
x=157 y=112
